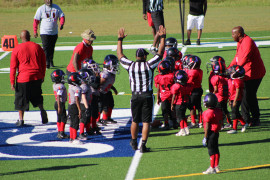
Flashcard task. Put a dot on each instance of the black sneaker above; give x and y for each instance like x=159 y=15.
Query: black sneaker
x=82 y=137
x=144 y=149
x=44 y=117
x=187 y=42
x=198 y=42
x=97 y=131
x=111 y=121
x=51 y=64
x=133 y=144
x=102 y=122
x=62 y=135
x=91 y=132
x=19 y=123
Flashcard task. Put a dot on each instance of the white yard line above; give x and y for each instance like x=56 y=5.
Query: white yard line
x=3 y=55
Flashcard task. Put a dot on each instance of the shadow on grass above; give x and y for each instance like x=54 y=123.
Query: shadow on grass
x=53 y=168
x=245 y=169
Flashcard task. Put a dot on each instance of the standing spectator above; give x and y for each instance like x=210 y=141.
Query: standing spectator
x=147 y=16
x=82 y=51
x=197 y=11
x=248 y=56
x=211 y=119
x=141 y=74
x=156 y=9
x=48 y=14
x=29 y=60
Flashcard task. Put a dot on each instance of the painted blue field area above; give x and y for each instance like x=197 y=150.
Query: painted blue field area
x=37 y=141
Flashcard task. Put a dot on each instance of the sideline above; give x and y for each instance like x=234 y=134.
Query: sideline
x=199 y=174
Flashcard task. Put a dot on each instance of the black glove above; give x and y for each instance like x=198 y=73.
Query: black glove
x=87 y=113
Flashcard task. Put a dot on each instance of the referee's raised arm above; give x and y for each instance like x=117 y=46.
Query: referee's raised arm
x=121 y=36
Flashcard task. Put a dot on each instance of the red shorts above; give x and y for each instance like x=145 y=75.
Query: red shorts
x=149 y=19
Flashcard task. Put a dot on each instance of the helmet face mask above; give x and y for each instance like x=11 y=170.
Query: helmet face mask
x=185 y=61
x=75 y=79
x=91 y=64
x=181 y=77
x=111 y=64
x=210 y=100
x=171 y=42
x=213 y=60
x=218 y=68
x=236 y=71
x=87 y=75
x=193 y=62
x=58 y=76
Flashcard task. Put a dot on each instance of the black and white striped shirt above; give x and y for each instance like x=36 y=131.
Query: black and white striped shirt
x=140 y=73
x=156 y=5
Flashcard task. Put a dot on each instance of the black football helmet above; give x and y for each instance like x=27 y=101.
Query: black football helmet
x=180 y=77
x=111 y=64
x=173 y=52
x=164 y=67
x=172 y=42
x=75 y=79
x=210 y=100
x=184 y=61
x=193 y=62
x=219 y=68
x=172 y=61
x=236 y=71
x=213 y=60
x=90 y=64
x=88 y=76
x=58 y=76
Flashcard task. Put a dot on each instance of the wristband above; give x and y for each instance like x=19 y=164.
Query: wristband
x=120 y=39
x=163 y=36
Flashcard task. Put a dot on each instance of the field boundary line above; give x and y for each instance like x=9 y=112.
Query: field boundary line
x=199 y=174
x=3 y=55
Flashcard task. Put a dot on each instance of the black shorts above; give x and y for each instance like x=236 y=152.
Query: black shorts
x=73 y=112
x=142 y=107
x=85 y=117
x=63 y=116
x=94 y=106
x=106 y=101
x=158 y=19
x=181 y=111
x=29 y=91
x=235 y=110
x=212 y=143
x=196 y=99
x=223 y=106
x=166 y=108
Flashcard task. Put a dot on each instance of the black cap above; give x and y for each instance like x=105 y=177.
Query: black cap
x=141 y=52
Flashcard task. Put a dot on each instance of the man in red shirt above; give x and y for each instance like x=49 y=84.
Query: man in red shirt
x=248 y=56
x=29 y=60
x=82 y=51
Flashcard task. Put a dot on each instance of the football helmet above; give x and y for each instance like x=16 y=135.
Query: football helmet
x=58 y=76
x=75 y=79
x=172 y=62
x=164 y=67
x=219 y=68
x=184 y=60
x=172 y=42
x=90 y=64
x=210 y=100
x=213 y=60
x=88 y=76
x=111 y=64
x=173 y=52
x=236 y=71
x=180 y=77
x=193 y=62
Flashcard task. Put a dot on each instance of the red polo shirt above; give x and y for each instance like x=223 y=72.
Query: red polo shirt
x=248 y=56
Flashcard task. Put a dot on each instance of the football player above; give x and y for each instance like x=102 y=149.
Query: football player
x=177 y=55
x=171 y=42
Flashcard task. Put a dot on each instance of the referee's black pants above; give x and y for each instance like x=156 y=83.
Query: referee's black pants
x=48 y=43
x=250 y=101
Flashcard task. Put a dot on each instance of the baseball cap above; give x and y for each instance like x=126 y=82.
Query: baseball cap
x=89 y=35
x=141 y=52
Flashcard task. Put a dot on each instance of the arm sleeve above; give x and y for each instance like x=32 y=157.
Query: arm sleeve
x=153 y=63
x=126 y=63
x=35 y=25
x=244 y=53
x=62 y=20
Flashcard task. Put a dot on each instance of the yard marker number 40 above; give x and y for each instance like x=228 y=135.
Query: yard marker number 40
x=9 y=42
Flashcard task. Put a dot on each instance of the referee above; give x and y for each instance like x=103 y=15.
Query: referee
x=141 y=74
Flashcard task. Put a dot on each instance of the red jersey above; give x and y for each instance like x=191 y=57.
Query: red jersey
x=222 y=85
x=29 y=60
x=164 y=82
x=178 y=65
x=181 y=92
x=248 y=56
x=195 y=77
x=165 y=55
x=233 y=85
x=84 y=52
x=214 y=117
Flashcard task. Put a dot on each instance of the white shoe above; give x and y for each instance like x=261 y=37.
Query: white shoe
x=217 y=169
x=232 y=132
x=182 y=132
x=244 y=128
x=192 y=125
x=76 y=142
x=210 y=170
x=187 y=130
x=200 y=125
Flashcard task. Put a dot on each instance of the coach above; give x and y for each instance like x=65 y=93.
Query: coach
x=248 y=56
x=48 y=14
x=29 y=60
x=141 y=74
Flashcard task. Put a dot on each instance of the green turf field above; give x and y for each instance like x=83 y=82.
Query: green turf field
x=243 y=155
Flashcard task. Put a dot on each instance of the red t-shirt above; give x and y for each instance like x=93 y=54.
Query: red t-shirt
x=165 y=83
x=214 y=117
x=222 y=85
x=233 y=85
x=248 y=56
x=178 y=65
x=84 y=52
x=195 y=77
x=29 y=60
x=181 y=92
